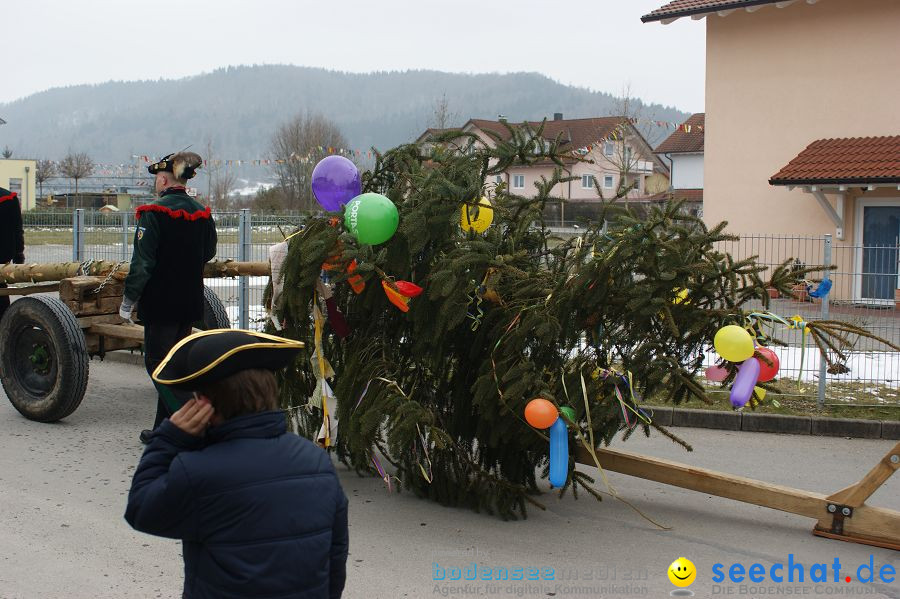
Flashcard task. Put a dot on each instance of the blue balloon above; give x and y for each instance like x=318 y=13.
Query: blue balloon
x=559 y=453
x=742 y=389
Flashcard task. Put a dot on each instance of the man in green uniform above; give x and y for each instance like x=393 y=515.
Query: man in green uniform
x=174 y=238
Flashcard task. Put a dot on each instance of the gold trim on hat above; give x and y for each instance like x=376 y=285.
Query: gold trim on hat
x=282 y=343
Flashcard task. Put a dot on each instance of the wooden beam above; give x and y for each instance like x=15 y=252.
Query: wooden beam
x=739 y=488
x=93 y=344
x=856 y=495
x=131 y=332
x=30 y=289
x=864 y=524
x=86 y=321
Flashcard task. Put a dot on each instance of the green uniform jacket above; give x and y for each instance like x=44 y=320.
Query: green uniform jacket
x=174 y=237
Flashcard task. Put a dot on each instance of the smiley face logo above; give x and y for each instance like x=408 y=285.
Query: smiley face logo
x=682 y=572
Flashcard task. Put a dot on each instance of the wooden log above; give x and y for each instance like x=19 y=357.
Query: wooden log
x=35 y=273
x=30 y=289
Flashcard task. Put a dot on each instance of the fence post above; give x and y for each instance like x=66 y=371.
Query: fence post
x=78 y=235
x=823 y=365
x=244 y=232
x=125 y=255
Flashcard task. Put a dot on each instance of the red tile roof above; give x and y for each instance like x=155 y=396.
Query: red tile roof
x=687 y=138
x=844 y=160
x=575 y=133
x=684 y=8
x=689 y=195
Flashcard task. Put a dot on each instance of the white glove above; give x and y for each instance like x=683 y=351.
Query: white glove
x=126 y=309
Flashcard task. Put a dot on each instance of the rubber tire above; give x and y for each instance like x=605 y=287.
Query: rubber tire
x=68 y=350
x=214 y=314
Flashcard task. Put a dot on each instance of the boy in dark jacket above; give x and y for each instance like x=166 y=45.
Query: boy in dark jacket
x=260 y=511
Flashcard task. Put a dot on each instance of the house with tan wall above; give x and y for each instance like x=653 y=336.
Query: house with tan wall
x=19 y=176
x=802 y=131
x=611 y=153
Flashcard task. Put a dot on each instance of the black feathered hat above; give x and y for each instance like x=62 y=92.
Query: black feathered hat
x=209 y=356
x=183 y=165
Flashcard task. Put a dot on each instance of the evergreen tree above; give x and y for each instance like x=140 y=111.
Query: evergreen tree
x=593 y=322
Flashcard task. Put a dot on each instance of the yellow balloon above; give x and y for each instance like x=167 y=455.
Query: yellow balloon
x=477 y=218
x=760 y=393
x=681 y=296
x=733 y=343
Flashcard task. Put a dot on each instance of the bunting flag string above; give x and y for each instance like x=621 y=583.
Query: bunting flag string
x=619 y=134
x=106 y=169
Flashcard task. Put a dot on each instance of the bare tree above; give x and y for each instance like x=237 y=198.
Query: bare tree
x=626 y=148
x=76 y=166
x=295 y=150
x=7 y=152
x=220 y=180
x=223 y=181
x=44 y=169
x=442 y=117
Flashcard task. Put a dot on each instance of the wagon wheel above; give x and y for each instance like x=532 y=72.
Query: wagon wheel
x=43 y=359
x=214 y=314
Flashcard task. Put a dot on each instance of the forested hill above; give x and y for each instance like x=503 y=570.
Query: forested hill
x=237 y=109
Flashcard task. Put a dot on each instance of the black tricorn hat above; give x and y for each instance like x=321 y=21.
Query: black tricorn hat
x=183 y=165
x=209 y=356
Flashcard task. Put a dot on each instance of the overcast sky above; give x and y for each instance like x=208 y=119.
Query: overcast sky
x=598 y=44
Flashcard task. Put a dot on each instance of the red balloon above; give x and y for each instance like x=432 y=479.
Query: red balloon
x=716 y=374
x=541 y=413
x=766 y=372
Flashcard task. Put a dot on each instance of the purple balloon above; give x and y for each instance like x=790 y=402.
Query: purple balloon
x=742 y=389
x=335 y=181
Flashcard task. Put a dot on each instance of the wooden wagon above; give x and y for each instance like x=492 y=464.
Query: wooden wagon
x=46 y=342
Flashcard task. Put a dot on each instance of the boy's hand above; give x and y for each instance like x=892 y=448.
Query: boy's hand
x=193 y=417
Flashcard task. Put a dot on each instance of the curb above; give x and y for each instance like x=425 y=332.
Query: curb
x=777 y=423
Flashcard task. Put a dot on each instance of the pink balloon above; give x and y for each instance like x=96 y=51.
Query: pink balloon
x=716 y=374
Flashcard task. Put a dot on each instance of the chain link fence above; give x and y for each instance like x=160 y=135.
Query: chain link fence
x=82 y=235
x=864 y=280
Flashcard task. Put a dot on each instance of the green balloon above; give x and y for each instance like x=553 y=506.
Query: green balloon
x=569 y=412
x=371 y=218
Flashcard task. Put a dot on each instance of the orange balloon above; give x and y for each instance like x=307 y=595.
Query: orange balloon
x=541 y=413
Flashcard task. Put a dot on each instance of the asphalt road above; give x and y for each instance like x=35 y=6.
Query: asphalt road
x=63 y=488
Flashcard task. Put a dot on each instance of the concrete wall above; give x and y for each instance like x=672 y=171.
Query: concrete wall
x=777 y=80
